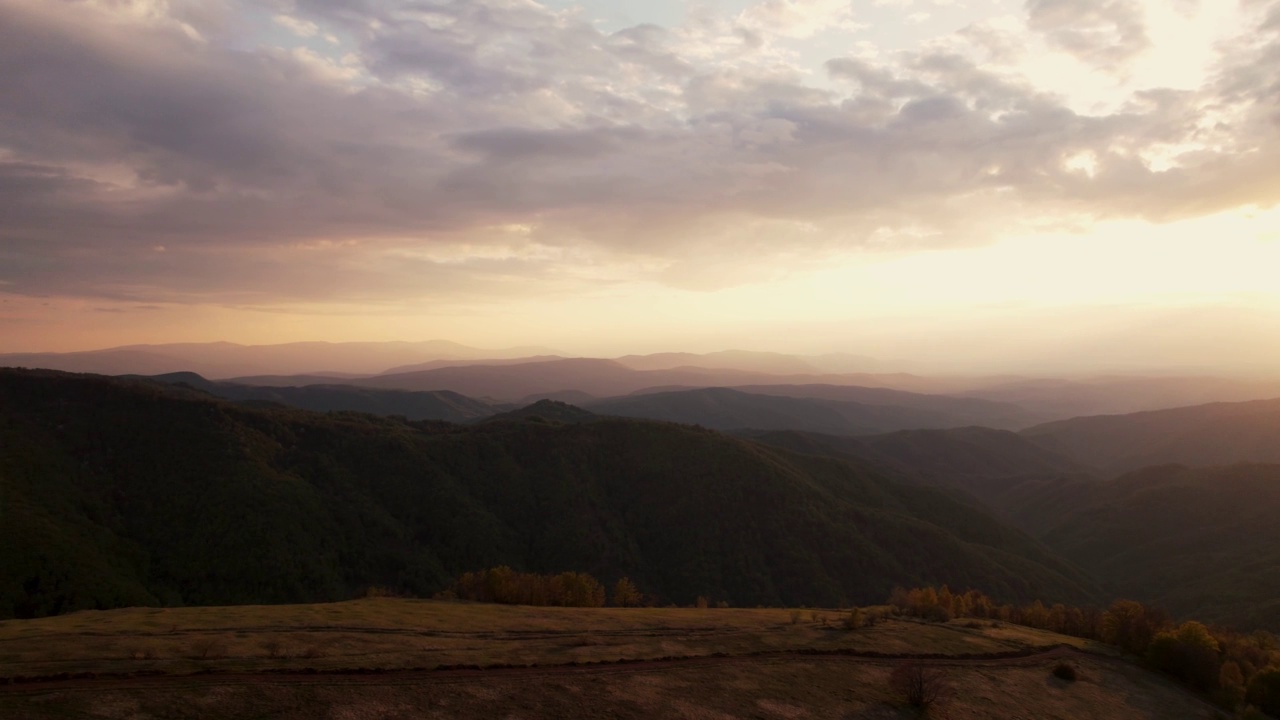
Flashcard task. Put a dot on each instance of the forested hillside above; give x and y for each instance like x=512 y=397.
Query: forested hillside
x=122 y=492
x=1202 y=542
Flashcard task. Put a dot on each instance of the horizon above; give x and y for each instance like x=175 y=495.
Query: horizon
x=1017 y=187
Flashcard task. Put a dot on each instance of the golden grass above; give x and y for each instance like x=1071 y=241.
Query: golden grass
x=391 y=633
x=395 y=633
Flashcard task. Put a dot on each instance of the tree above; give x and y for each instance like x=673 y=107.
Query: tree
x=1130 y=626
x=1190 y=654
x=1264 y=691
x=625 y=594
x=1230 y=684
x=920 y=686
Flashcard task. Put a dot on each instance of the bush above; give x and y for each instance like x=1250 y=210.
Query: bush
x=795 y=617
x=1066 y=671
x=920 y=686
x=206 y=648
x=853 y=620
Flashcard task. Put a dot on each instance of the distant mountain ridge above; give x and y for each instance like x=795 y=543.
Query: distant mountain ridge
x=419 y=405
x=225 y=360
x=1211 y=434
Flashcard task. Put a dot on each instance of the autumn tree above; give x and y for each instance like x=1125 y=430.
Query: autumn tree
x=1189 y=653
x=1130 y=626
x=1264 y=691
x=625 y=594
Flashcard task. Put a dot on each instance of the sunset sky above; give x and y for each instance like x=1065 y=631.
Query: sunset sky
x=954 y=183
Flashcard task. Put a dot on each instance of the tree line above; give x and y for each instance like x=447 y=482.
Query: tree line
x=1233 y=668
x=567 y=589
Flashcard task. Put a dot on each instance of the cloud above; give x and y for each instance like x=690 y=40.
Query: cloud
x=398 y=164
x=1103 y=33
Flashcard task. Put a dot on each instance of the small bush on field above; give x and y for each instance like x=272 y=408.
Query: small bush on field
x=795 y=617
x=1066 y=671
x=274 y=648
x=312 y=652
x=920 y=686
x=206 y=648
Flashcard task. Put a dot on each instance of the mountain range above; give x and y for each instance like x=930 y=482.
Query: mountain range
x=130 y=492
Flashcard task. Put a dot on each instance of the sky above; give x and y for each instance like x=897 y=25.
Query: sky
x=955 y=184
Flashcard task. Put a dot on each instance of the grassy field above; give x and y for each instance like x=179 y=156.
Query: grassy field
x=213 y=663
x=386 y=633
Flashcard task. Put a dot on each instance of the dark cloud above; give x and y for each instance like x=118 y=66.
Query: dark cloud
x=291 y=174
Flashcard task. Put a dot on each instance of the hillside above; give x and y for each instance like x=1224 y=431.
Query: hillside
x=121 y=493
x=1198 y=541
x=414 y=405
x=1006 y=472
x=731 y=409
x=1213 y=434
x=960 y=411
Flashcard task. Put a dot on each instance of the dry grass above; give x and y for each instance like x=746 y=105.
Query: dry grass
x=397 y=633
x=796 y=688
x=400 y=633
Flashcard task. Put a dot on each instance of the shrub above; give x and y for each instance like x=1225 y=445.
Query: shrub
x=206 y=648
x=920 y=686
x=702 y=603
x=853 y=620
x=274 y=647
x=1066 y=671
x=795 y=617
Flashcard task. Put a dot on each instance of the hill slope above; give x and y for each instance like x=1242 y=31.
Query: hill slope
x=1202 y=542
x=730 y=409
x=1213 y=434
x=414 y=405
x=118 y=492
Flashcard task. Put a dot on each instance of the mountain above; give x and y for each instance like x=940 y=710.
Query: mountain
x=119 y=492
x=224 y=360
x=961 y=410
x=1213 y=434
x=1055 y=399
x=1009 y=474
x=453 y=362
x=546 y=410
x=730 y=409
x=421 y=405
x=1201 y=542
x=760 y=362
x=533 y=379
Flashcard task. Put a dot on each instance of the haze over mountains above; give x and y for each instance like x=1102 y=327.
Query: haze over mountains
x=524 y=374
